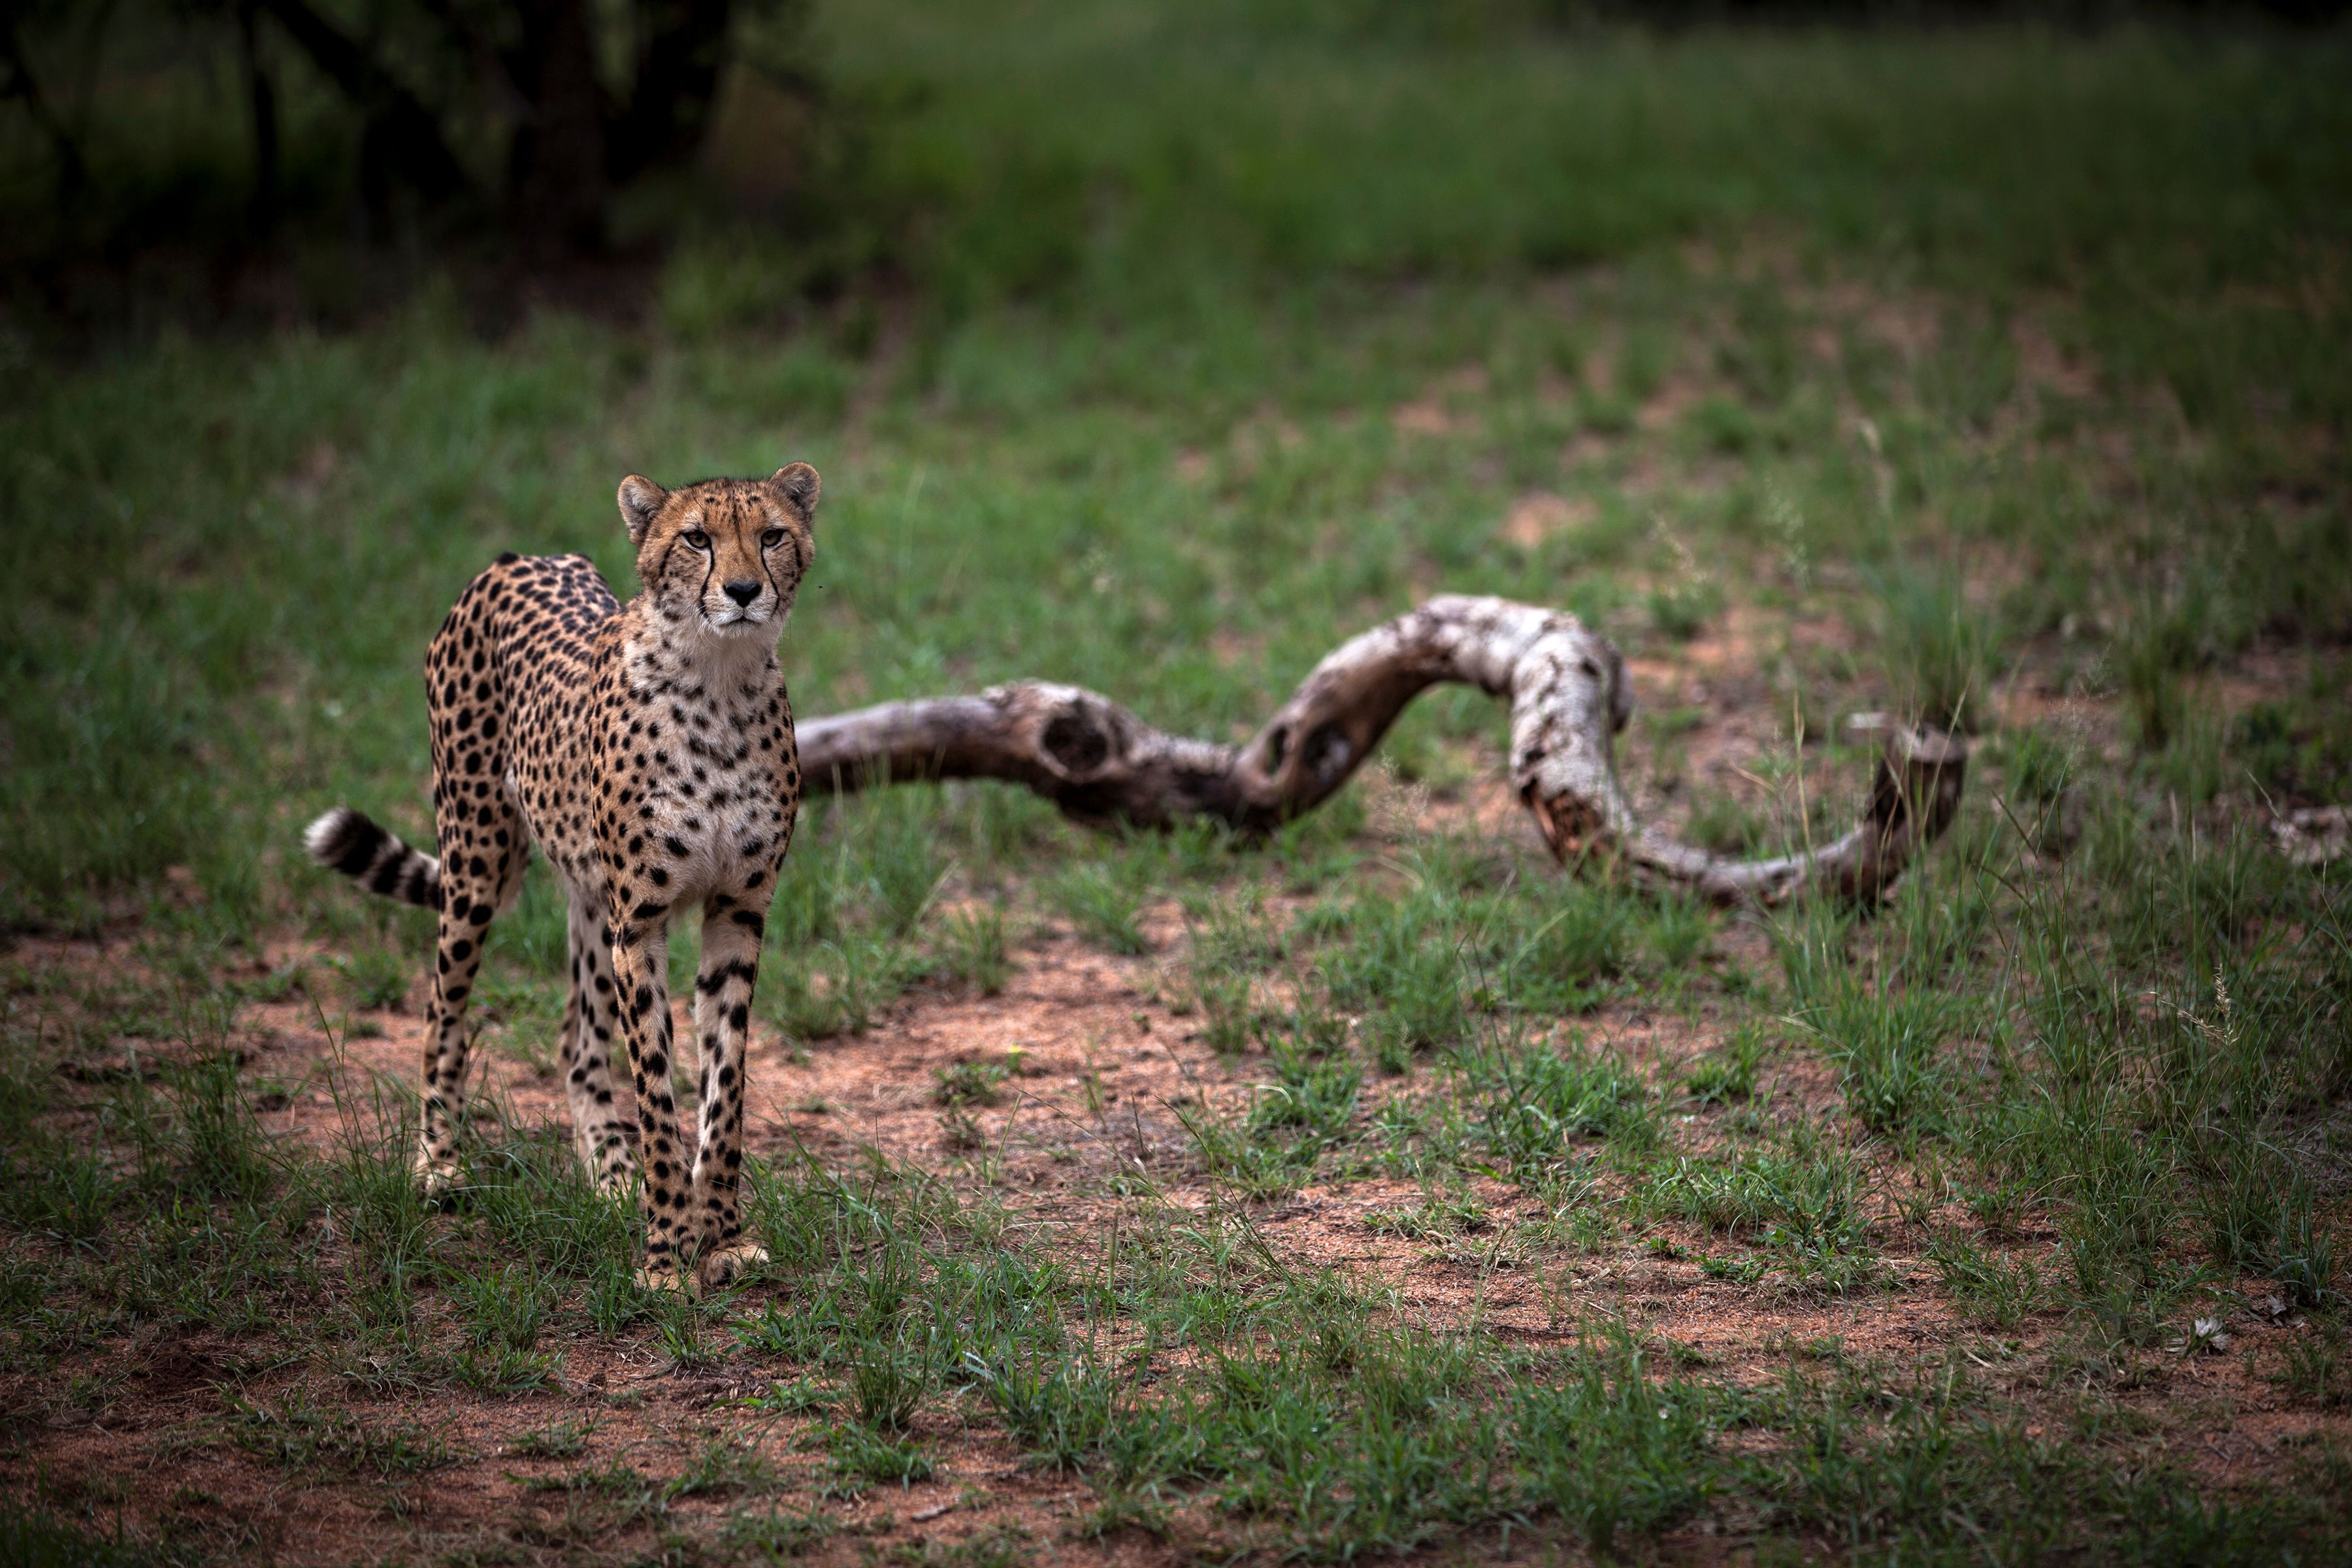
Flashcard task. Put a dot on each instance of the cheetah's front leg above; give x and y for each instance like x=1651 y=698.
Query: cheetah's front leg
x=641 y=965
x=600 y=1128
x=722 y=1012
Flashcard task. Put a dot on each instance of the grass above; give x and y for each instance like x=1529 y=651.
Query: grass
x=1983 y=375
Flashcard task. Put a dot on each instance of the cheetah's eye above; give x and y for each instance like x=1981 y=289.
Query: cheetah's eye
x=771 y=539
x=697 y=537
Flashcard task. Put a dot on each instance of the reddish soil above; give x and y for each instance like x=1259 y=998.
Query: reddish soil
x=151 y=1443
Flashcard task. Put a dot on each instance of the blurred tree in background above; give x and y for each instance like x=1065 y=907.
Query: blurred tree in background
x=518 y=118
x=213 y=160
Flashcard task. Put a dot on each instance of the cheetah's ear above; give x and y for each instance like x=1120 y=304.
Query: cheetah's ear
x=641 y=502
x=798 y=484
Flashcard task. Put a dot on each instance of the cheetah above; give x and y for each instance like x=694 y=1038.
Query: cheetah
x=647 y=749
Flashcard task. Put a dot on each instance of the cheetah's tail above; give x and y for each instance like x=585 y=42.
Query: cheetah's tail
x=347 y=841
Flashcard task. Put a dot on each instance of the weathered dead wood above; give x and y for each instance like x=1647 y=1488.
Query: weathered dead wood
x=1569 y=696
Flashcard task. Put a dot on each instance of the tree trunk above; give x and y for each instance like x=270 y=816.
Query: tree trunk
x=1568 y=696
x=679 y=62
x=261 y=98
x=556 y=179
x=73 y=170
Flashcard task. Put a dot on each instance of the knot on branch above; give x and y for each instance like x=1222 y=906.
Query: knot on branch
x=1078 y=734
x=1916 y=786
x=1570 y=827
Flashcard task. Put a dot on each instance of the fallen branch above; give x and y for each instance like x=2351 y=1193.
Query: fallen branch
x=1568 y=698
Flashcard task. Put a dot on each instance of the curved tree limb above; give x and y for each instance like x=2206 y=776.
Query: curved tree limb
x=1569 y=696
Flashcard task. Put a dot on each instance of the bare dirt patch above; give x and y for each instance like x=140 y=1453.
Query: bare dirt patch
x=1104 y=1066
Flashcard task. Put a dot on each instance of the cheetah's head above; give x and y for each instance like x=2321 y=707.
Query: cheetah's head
x=726 y=554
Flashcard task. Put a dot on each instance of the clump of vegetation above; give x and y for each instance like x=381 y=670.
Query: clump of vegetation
x=969 y=1083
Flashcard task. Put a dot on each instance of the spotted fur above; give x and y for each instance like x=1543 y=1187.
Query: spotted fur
x=647 y=749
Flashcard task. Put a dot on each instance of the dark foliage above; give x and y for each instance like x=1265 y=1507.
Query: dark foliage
x=521 y=117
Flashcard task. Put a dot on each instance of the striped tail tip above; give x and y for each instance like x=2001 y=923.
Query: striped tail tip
x=349 y=841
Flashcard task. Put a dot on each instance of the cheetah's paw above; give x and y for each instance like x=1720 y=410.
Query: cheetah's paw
x=436 y=1178
x=723 y=1266
x=606 y=1156
x=666 y=1275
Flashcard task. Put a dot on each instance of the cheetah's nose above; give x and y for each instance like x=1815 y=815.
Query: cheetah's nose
x=743 y=593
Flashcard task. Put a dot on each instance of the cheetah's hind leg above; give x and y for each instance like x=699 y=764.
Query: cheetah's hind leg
x=481 y=873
